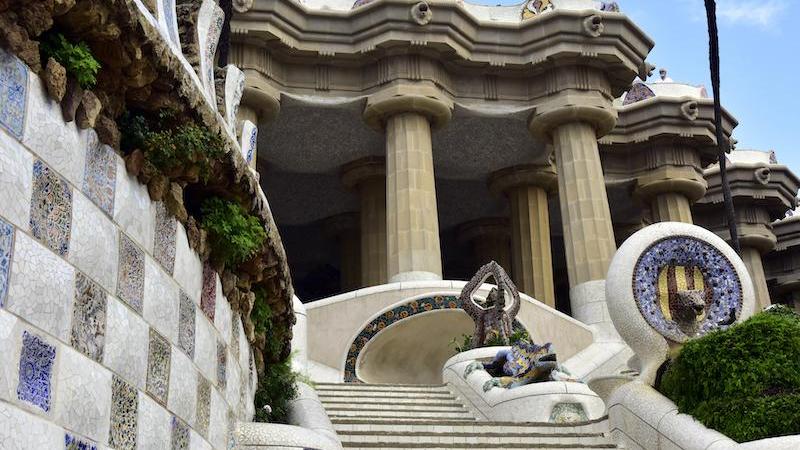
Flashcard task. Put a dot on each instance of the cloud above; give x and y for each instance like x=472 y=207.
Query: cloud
x=750 y=12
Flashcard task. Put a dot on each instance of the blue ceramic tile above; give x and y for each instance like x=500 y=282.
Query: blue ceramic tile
x=36 y=371
x=6 y=247
x=100 y=174
x=74 y=443
x=13 y=93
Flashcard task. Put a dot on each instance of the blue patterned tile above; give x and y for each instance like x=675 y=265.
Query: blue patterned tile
x=73 y=443
x=130 y=279
x=88 y=318
x=179 y=435
x=51 y=209
x=36 y=371
x=13 y=93
x=6 y=248
x=186 y=324
x=100 y=174
x=166 y=229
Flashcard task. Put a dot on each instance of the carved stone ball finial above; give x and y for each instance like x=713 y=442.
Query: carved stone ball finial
x=421 y=13
x=663 y=73
x=242 y=6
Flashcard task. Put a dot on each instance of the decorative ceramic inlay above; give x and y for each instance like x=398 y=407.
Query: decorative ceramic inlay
x=186 y=325
x=170 y=21
x=166 y=229
x=568 y=413
x=208 y=297
x=51 y=209
x=249 y=140
x=209 y=26
x=235 y=330
x=222 y=362
x=158 y=367
x=100 y=175
x=124 y=405
x=637 y=93
x=73 y=443
x=203 y=405
x=130 y=279
x=179 y=435
x=396 y=314
x=36 y=371
x=13 y=93
x=535 y=7
x=234 y=88
x=681 y=263
x=88 y=318
x=6 y=247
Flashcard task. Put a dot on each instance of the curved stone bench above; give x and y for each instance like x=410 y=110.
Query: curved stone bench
x=552 y=401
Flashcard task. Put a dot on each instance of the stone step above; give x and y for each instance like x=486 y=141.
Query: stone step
x=389 y=439
x=385 y=395
x=356 y=387
x=536 y=446
x=367 y=401
x=421 y=407
x=399 y=415
x=346 y=424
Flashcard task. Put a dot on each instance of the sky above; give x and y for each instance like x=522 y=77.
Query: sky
x=759 y=57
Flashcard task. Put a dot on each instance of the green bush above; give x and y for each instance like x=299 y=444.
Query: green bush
x=277 y=386
x=493 y=340
x=234 y=234
x=77 y=59
x=744 y=381
x=171 y=142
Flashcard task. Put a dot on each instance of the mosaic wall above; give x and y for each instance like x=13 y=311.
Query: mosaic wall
x=396 y=314
x=99 y=338
x=682 y=263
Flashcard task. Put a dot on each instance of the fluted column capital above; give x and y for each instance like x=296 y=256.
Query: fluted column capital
x=404 y=97
x=368 y=168
x=260 y=96
x=538 y=175
x=480 y=228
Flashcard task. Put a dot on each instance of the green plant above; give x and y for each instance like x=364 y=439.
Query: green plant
x=77 y=59
x=171 y=142
x=277 y=386
x=743 y=381
x=234 y=234
x=492 y=341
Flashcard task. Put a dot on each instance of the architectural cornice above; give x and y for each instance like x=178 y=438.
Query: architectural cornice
x=770 y=186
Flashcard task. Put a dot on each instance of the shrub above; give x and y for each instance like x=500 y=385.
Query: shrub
x=744 y=381
x=234 y=234
x=77 y=59
x=493 y=340
x=277 y=386
x=171 y=142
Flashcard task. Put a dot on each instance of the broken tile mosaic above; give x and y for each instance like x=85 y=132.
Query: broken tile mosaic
x=158 y=362
x=186 y=325
x=73 y=443
x=35 y=371
x=51 y=208
x=14 y=92
x=208 y=297
x=222 y=362
x=166 y=229
x=88 y=318
x=100 y=175
x=124 y=404
x=6 y=247
x=130 y=280
x=203 y=405
x=180 y=435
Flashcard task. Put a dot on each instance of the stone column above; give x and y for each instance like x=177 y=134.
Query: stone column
x=490 y=240
x=755 y=267
x=260 y=104
x=407 y=112
x=367 y=176
x=527 y=188
x=671 y=207
x=673 y=185
x=345 y=229
x=572 y=117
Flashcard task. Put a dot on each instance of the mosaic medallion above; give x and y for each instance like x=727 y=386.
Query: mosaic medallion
x=186 y=325
x=35 y=371
x=51 y=209
x=6 y=247
x=203 y=405
x=208 y=296
x=396 y=314
x=130 y=278
x=222 y=362
x=73 y=443
x=124 y=404
x=637 y=93
x=179 y=439
x=679 y=267
x=568 y=413
x=158 y=360
x=88 y=318
x=100 y=174
x=166 y=229
x=13 y=93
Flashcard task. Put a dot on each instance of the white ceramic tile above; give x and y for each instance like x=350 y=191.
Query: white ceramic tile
x=22 y=430
x=57 y=143
x=244 y=347
x=222 y=314
x=188 y=268
x=153 y=429
x=82 y=395
x=16 y=181
x=182 y=387
x=93 y=248
x=205 y=355
x=218 y=425
x=160 y=300
x=127 y=339
x=10 y=343
x=41 y=287
x=233 y=385
x=133 y=211
x=196 y=442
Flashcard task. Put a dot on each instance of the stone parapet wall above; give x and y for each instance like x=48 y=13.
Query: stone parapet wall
x=113 y=332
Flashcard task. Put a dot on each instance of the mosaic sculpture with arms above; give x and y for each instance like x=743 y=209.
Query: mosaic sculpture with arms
x=494 y=316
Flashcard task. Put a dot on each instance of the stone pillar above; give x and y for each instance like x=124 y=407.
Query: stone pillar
x=490 y=240
x=527 y=188
x=673 y=185
x=755 y=267
x=407 y=112
x=575 y=112
x=367 y=176
x=345 y=229
x=671 y=207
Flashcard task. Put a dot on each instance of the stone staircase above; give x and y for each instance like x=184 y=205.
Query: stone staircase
x=383 y=416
